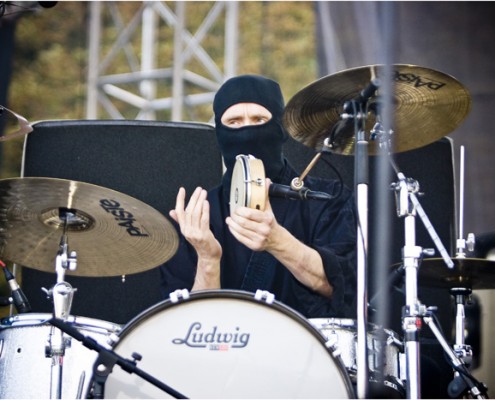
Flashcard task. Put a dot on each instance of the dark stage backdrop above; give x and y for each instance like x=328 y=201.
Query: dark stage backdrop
x=144 y=159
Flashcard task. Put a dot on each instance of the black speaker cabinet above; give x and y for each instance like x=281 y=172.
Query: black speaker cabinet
x=147 y=160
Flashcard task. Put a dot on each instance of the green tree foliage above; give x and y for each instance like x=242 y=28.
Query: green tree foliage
x=276 y=39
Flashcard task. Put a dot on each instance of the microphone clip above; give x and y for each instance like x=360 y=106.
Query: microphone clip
x=19 y=299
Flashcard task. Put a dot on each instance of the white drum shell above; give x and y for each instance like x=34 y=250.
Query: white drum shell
x=25 y=371
x=225 y=344
x=384 y=353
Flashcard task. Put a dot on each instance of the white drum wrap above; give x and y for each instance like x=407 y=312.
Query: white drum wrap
x=227 y=344
x=25 y=370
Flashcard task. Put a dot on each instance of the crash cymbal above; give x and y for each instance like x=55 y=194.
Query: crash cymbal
x=428 y=105
x=473 y=273
x=112 y=233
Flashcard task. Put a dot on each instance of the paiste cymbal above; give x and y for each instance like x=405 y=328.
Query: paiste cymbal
x=112 y=233
x=428 y=105
x=473 y=273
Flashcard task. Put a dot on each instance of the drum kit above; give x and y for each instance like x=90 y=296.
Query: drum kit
x=226 y=343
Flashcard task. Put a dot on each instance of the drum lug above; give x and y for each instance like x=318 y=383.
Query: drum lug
x=264 y=295
x=112 y=339
x=178 y=295
x=402 y=367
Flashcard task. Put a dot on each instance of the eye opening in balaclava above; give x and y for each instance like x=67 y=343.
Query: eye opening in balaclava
x=263 y=141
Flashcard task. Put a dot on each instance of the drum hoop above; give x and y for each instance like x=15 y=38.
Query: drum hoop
x=221 y=294
x=253 y=181
x=244 y=160
x=40 y=319
x=130 y=326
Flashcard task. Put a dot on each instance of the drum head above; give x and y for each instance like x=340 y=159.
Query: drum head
x=226 y=344
x=247 y=188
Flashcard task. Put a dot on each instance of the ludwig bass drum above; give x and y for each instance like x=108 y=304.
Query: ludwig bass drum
x=227 y=344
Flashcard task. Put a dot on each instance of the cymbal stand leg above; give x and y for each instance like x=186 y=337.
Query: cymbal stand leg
x=457 y=362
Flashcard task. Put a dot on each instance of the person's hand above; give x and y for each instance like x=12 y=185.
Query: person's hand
x=258 y=230
x=194 y=222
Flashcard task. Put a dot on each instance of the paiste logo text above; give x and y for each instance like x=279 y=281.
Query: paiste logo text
x=124 y=218
x=418 y=81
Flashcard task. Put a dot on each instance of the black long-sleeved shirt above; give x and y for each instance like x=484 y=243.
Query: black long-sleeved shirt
x=327 y=226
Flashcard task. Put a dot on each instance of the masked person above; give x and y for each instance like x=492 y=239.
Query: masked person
x=303 y=252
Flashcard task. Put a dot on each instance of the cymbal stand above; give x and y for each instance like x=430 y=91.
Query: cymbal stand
x=411 y=322
x=408 y=207
x=62 y=294
x=414 y=311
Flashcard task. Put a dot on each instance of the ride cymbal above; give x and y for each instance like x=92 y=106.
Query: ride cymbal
x=427 y=105
x=472 y=273
x=112 y=233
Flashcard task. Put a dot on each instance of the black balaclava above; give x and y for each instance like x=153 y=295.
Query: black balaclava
x=263 y=141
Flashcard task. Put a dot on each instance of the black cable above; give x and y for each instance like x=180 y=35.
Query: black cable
x=337 y=173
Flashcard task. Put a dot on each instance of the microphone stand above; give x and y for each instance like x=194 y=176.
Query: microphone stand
x=356 y=110
x=106 y=361
x=361 y=178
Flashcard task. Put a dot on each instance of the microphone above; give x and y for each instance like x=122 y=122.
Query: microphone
x=19 y=299
x=363 y=96
x=286 y=192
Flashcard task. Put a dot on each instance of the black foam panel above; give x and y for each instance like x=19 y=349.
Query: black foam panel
x=147 y=160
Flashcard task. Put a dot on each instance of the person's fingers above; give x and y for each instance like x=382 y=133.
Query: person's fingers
x=191 y=207
x=179 y=206
x=173 y=215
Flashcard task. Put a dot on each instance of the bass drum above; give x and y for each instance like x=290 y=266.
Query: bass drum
x=227 y=344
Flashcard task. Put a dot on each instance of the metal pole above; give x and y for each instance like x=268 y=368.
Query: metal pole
x=361 y=178
x=93 y=59
x=147 y=87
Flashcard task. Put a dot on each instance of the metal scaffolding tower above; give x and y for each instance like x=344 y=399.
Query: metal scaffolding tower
x=138 y=86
